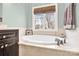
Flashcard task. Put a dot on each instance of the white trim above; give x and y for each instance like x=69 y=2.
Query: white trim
x=56 y=17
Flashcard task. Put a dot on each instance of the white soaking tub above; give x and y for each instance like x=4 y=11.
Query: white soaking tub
x=41 y=39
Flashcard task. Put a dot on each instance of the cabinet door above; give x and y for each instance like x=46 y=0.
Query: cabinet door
x=1 y=50
x=12 y=50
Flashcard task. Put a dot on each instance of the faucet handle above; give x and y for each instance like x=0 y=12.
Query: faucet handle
x=58 y=41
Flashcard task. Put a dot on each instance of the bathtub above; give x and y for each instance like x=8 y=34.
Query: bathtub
x=42 y=45
x=41 y=39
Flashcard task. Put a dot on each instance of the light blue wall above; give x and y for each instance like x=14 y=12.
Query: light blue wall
x=61 y=10
x=29 y=15
x=77 y=15
x=14 y=14
x=0 y=9
x=20 y=14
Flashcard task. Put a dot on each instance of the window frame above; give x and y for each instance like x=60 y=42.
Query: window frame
x=56 y=17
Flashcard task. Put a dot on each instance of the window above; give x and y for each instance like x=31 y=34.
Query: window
x=45 y=17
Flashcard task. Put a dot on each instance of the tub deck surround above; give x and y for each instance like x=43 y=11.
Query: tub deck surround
x=28 y=50
x=55 y=47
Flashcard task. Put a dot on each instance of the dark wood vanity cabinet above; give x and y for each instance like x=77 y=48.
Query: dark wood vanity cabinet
x=1 y=51
x=9 y=42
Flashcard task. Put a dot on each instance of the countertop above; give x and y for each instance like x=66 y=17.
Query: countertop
x=64 y=47
x=9 y=29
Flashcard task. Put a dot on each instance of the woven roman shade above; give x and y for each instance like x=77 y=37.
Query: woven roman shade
x=45 y=9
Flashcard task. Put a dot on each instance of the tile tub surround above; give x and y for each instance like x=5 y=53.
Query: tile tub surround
x=60 y=33
x=28 y=49
x=72 y=37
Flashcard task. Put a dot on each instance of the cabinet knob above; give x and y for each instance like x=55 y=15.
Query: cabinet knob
x=2 y=46
x=4 y=36
x=6 y=45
